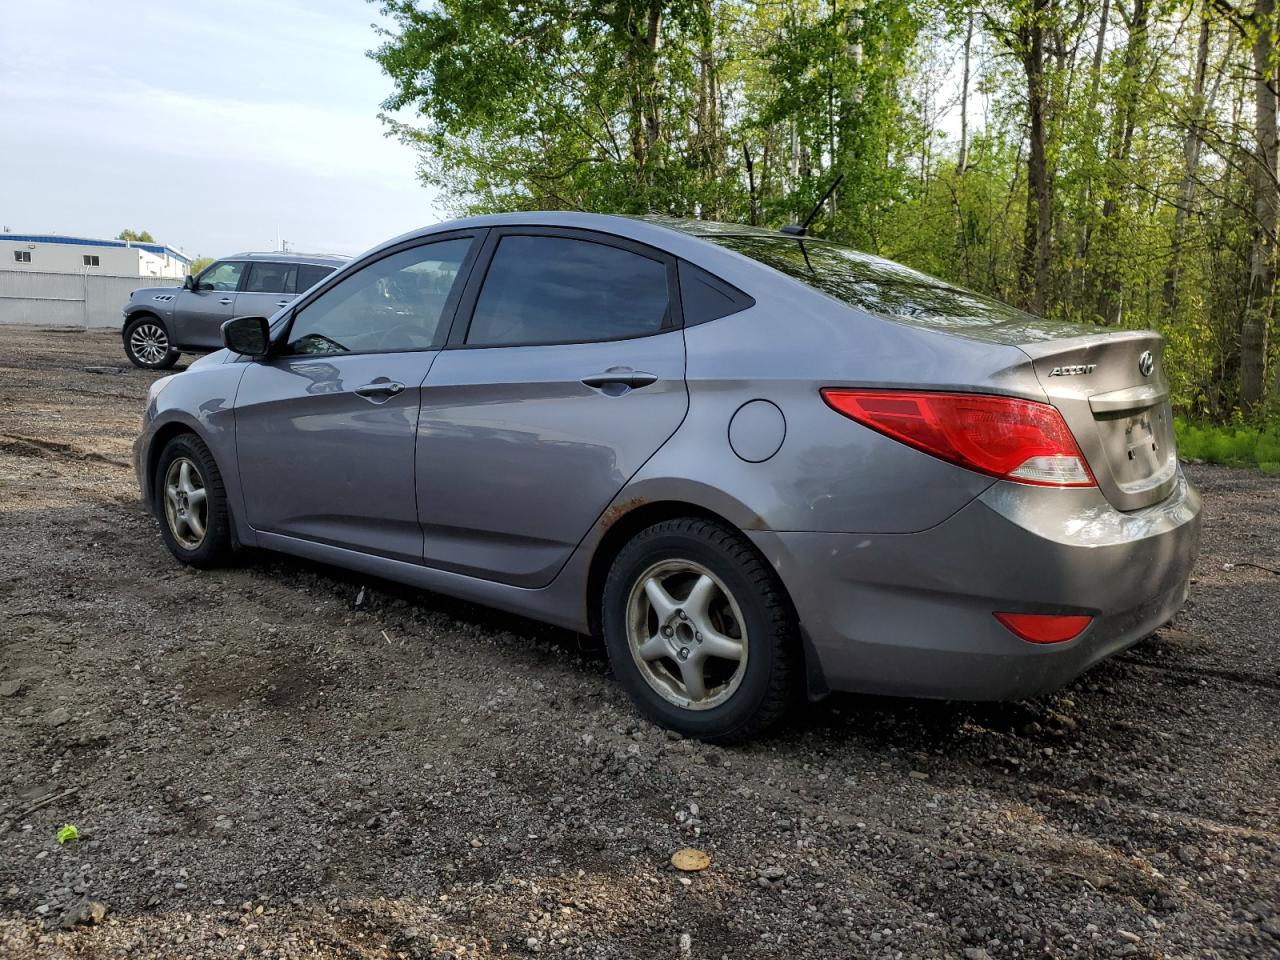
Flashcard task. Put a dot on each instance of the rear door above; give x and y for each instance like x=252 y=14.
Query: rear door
x=267 y=286
x=198 y=313
x=564 y=374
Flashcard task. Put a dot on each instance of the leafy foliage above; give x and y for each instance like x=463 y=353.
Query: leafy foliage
x=1106 y=161
x=136 y=236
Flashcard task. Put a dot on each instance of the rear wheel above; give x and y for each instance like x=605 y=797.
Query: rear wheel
x=699 y=631
x=147 y=345
x=192 y=503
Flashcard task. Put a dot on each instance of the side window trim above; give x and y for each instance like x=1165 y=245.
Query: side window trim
x=478 y=237
x=457 y=339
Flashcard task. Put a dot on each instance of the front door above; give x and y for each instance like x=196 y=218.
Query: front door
x=199 y=313
x=569 y=376
x=325 y=431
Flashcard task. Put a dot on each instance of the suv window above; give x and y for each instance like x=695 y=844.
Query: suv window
x=563 y=290
x=309 y=274
x=267 y=277
x=221 y=276
x=395 y=303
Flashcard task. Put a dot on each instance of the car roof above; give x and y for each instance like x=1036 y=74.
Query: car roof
x=325 y=259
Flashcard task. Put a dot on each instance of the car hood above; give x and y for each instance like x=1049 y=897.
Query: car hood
x=211 y=359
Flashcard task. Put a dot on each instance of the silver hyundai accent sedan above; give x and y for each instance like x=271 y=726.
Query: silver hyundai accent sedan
x=761 y=465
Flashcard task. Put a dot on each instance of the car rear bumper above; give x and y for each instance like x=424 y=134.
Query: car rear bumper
x=912 y=614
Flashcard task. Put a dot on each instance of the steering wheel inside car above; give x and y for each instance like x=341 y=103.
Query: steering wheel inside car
x=406 y=336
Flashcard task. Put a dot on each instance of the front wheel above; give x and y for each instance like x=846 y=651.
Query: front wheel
x=147 y=344
x=700 y=632
x=192 y=503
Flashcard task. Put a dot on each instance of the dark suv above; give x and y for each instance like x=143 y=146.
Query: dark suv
x=161 y=322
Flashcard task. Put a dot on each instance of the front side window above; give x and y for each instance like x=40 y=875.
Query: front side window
x=271 y=278
x=396 y=303
x=221 y=276
x=564 y=290
x=91 y=260
x=22 y=256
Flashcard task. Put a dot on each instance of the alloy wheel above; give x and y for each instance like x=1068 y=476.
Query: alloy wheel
x=186 y=503
x=686 y=634
x=149 y=342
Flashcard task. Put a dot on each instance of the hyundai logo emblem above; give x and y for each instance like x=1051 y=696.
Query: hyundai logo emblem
x=1146 y=363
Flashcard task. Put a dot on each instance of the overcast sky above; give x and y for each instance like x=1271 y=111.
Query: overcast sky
x=211 y=125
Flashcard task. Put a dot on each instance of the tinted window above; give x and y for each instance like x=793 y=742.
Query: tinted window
x=309 y=275
x=705 y=297
x=395 y=303
x=561 y=290
x=222 y=276
x=270 y=278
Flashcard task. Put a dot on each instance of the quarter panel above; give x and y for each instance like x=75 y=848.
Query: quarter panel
x=830 y=473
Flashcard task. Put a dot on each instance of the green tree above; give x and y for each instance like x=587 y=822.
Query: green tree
x=1103 y=161
x=136 y=236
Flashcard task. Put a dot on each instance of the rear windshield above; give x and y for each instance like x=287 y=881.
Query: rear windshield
x=883 y=287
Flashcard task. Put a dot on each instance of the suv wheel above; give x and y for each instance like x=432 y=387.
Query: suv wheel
x=699 y=631
x=146 y=344
x=192 y=503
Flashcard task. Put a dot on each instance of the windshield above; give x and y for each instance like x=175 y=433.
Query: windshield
x=891 y=290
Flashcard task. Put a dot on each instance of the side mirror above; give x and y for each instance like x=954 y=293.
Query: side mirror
x=249 y=336
x=188 y=282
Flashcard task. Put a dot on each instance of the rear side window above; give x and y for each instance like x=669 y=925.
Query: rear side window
x=270 y=277
x=565 y=290
x=309 y=274
x=706 y=297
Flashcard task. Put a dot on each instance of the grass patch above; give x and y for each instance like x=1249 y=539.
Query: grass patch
x=1236 y=445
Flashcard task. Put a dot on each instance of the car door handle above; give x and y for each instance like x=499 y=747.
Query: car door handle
x=380 y=390
x=224 y=301
x=622 y=376
x=282 y=303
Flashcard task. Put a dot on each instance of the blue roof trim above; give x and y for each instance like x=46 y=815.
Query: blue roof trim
x=157 y=248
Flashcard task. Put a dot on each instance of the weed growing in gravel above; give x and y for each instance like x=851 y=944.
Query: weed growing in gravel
x=1234 y=446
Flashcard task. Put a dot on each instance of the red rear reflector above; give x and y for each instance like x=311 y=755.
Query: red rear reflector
x=1004 y=437
x=1045 y=627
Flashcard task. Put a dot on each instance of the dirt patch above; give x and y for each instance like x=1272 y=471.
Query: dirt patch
x=264 y=766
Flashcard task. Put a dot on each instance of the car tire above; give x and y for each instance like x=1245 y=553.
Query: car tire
x=147 y=343
x=191 y=503
x=682 y=598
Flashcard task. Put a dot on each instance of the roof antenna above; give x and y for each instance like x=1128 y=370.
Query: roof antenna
x=800 y=229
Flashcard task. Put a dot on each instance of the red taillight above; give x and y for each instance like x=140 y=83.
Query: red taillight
x=1003 y=437
x=1045 y=627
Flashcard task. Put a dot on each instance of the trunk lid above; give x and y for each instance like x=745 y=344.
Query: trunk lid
x=1111 y=390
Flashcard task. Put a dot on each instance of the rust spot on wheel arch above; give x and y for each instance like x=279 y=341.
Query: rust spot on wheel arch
x=620 y=510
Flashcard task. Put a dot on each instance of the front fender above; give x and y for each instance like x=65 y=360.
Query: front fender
x=200 y=401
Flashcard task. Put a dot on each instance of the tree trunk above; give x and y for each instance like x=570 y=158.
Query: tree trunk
x=1266 y=207
x=1110 y=296
x=1037 y=236
x=962 y=162
x=1190 y=165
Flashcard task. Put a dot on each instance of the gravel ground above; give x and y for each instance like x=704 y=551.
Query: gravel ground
x=286 y=760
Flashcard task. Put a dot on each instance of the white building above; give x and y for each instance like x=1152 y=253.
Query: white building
x=49 y=253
